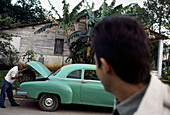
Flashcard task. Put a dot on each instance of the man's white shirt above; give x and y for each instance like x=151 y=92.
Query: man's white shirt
x=11 y=73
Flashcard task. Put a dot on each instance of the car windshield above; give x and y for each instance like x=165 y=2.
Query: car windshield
x=56 y=72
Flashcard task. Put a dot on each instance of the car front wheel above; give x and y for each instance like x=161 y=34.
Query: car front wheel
x=48 y=102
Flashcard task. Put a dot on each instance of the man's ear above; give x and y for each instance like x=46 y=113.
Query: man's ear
x=105 y=66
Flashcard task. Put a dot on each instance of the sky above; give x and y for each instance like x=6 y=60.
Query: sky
x=58 y=3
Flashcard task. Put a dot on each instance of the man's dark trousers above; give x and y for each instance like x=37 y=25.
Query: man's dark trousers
x=6 y=87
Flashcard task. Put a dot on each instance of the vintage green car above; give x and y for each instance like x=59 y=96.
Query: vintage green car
x=71 y=84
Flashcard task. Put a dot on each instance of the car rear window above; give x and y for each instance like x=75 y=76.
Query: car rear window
x=75 y=74
x=56 y=72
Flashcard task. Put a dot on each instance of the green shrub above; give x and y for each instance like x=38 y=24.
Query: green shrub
x=2 y=75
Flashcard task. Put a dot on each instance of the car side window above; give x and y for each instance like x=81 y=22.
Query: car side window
x=75 y=74
x=90 y=75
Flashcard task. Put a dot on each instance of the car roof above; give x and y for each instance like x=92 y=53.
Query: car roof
x=72 y=67
x=79 y=66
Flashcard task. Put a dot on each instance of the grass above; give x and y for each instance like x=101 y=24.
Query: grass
x=2 y=75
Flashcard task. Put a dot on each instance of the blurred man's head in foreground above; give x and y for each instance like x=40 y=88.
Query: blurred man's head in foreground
x=122 y=42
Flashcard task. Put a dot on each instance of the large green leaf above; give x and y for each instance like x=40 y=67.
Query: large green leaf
x=75 y=34
x=88 y=33
x=80 y=14
x=104 y=10
x=53 y=8
x=89 y=10
x=117 y=10
x=72 y=45
x=128 y=6
x=112 y=4
x=79 y=40
x=81 y=50
x=50 y=25
x=75 y=10
x=66 y=13
x=92 y=19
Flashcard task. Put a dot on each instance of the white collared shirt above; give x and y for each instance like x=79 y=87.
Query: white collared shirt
x=11 y=73
x=156 y=100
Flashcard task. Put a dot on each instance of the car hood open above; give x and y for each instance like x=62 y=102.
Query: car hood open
x=40 y=68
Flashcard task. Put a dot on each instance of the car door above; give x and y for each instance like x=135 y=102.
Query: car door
x=74 y=81
x=92 y=91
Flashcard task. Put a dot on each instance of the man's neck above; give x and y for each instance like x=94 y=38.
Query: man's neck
x=130 y=90
x=124 y=90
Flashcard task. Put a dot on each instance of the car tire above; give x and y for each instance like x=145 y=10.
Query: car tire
x=28 y=75
x=48 y=102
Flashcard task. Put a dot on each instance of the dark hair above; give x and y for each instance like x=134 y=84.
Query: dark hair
x=123 y=43
x=20 y=64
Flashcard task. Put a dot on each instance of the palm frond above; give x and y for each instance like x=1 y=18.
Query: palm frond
x=82 y=13
x=42 y=29
x=117 y=10
x=130 y=9
x=88 y=33
x=53 y=8
x=92 y=6
x=66 y=14
x=55 y=21
x=76 y=44
x=81 y=50
x=98 y=12
x=92 y=21
x=92 y=18
x=128 y=6
x=112 y=4
x=72 y=45
x=66 y=29
x=75 y=10
x=75 y=34
x=104 y=9
x=59 y=23
x=64 y=3
x=80 y=40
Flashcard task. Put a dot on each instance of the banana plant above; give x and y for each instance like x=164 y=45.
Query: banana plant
x=66 y=19
x=94 y=17
x=81 y=51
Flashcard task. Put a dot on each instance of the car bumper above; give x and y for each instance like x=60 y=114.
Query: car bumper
x=21 y=93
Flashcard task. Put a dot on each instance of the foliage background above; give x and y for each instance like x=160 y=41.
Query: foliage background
x=2 y=75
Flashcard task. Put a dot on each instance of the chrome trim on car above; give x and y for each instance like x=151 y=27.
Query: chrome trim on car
x=93 y=80
x=22 y=93
x=49 y=102
x=77 y=79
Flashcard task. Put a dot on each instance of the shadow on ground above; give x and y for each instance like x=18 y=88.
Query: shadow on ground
x=33 y=104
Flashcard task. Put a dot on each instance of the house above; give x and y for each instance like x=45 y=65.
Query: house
x=51 y=44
